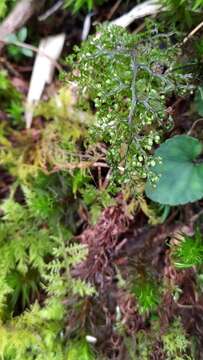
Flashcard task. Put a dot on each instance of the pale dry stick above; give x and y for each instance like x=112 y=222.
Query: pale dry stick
x=139 y=28
x=34 y=49
x=196 y=216
x=184 y=306
x=10 y=67
x=86 y=26
x=99 y=177
x=43 y=72
x=149 y=7
x=18 y=17
x=193 y=32
x=106 y=180
x=79 y=165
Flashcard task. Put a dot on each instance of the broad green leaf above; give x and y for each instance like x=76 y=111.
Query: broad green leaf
x=12 y=38
x=27 y=52
x=22 y=34
x=181 y=172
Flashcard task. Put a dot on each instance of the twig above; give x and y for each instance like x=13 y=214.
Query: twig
x=51 y=11
x=79 y=165
x=10 y=67
x=18 y=17
x=193 y=126
x=106 y=180
x=139 y=28
x=99 y=177
x=184 y=306
x=196 y=216
x=193 y=32
x=34 y=49
x=113 y=10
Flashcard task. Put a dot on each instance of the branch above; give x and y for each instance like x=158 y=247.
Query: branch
x=18 y=17
x=193 y=32
x=34 y=49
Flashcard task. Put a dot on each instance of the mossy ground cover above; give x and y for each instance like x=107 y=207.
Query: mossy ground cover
x=92 y=268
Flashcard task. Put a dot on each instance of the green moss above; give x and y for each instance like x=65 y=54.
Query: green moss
x=183 y=12
x=11 y=101
x=174 y=344
x=147 y=294
x=188 y=251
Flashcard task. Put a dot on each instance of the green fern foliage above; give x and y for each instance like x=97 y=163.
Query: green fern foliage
x=37 y=258
x=129 y=95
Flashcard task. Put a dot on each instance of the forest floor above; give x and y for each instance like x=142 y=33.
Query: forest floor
x=143 y=297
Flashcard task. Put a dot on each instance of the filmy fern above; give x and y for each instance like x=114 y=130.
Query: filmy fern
x=129 y=94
